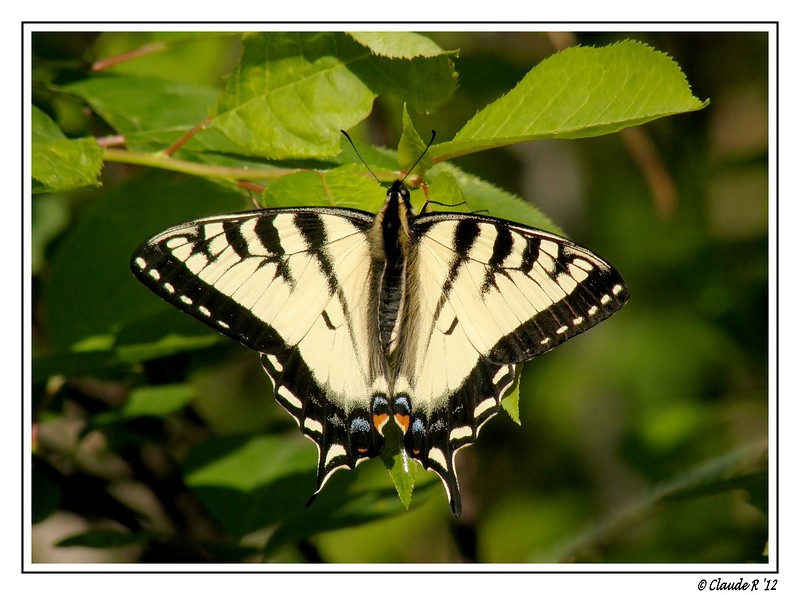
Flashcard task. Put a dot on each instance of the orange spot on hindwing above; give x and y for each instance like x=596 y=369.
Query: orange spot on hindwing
x=403 y=421
x=379 y=420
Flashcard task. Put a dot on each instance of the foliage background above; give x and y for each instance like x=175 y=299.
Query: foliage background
x=642 y=441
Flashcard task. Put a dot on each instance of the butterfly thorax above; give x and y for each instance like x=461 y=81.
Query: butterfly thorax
x=391 y=245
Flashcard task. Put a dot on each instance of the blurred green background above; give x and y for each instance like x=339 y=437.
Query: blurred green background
x=644 y=440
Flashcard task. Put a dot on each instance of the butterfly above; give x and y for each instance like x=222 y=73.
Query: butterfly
x=363 y=320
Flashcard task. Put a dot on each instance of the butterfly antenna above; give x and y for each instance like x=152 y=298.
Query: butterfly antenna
x=352 y=144
x=421 y=155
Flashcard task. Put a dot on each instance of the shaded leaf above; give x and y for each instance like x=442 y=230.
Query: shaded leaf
x=145 y=109
x=411 y=148
x=345 y=510
x=485 y=198
x=73 y=364
x=425 y=84
x=293 y=92
x=148 y=401
x=91 y=277
x=166 y=54
x=347 y=186
x=402 y=469
x=249 y=482
x=50 y=216
x=45 y=495
x=246 y=463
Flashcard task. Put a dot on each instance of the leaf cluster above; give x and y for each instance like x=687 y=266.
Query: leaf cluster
x=199 y=143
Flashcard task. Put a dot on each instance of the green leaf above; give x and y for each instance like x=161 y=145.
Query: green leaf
x=149 y=401
x=251 y=462
x=50 y=215
x=59 y=163
x=166 y=54
x=399 y=44
x=579 y=92
x=146 y=110
x=411 y=147
x=402 y=469
x=90 y=277
x=339 y=511
x=43 y=129
x=348 y=186
x=424 y=83
x=452 y=186
x=249 y=482
x=292 y=93
x=134 y=344
x=445 y=190
x=511 y=400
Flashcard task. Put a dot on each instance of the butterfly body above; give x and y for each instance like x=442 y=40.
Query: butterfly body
x=363 y=320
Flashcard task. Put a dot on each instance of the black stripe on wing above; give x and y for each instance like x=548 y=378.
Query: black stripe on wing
x=594 y=298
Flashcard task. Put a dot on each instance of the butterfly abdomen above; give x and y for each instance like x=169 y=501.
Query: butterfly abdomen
x=391 y=239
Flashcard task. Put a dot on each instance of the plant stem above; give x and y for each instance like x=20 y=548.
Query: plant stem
x=162 y=161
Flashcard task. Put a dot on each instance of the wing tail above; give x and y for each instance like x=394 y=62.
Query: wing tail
x=343 y=438
x=434 y=437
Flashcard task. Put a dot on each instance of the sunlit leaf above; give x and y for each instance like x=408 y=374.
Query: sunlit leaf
x=579 y=92
x=398 y=44
x=59 y=163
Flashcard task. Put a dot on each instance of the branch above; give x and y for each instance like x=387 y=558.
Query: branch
x=163 y=161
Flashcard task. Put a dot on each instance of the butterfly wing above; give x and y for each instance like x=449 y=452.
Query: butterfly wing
x=489 y=295
x=288 y=283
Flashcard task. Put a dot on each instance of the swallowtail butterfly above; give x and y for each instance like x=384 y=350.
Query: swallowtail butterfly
x=364 y=320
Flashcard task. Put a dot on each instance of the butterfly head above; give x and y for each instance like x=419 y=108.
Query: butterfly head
x=399 y=193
